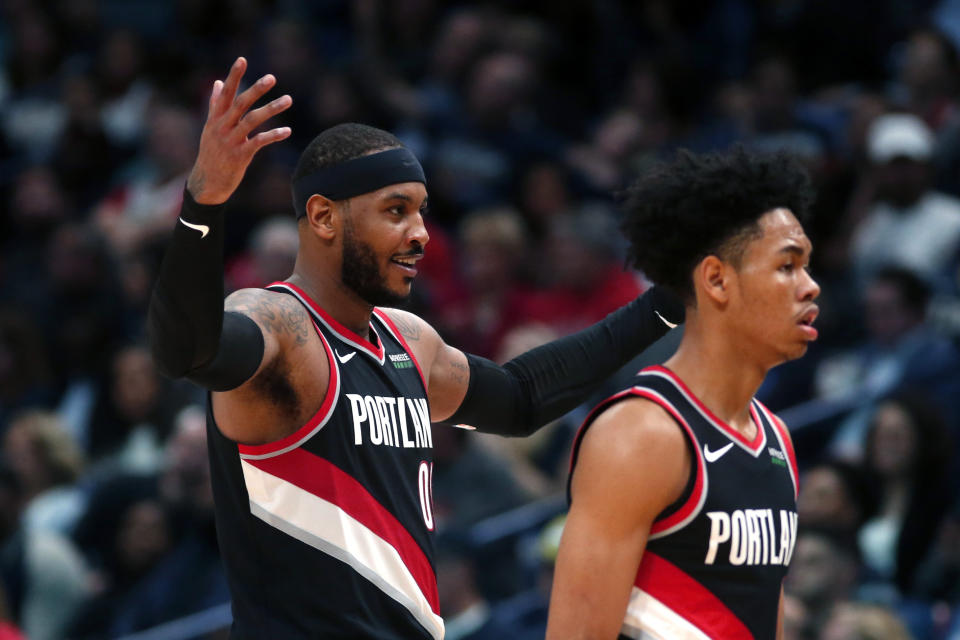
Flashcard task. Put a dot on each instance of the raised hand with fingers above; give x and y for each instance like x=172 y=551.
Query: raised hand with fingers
x=226 y=146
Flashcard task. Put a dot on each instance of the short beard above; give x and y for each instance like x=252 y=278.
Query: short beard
x=360 y=273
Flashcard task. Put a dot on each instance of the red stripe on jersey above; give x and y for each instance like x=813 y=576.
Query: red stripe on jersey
x=328 y=482
x=336 y=327
x=321 y=416
x=688 y=598
x=753 y=445
x=387 y=320
x=693 y=502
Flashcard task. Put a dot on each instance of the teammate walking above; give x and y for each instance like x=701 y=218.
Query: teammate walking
x=319 y=424
x=683 y=486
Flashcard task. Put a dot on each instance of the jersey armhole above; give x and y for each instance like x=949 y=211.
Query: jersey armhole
x=319 y=419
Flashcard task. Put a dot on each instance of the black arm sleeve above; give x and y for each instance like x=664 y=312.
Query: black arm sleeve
x=545 y=383
x=190 y=336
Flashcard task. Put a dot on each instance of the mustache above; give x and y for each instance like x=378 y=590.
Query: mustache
x=416 y=251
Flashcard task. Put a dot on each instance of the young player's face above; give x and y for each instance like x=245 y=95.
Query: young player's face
x=774 y=294
x=383 y=238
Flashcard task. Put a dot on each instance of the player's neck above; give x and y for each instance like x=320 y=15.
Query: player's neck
x=335 y=298
x=717 y=372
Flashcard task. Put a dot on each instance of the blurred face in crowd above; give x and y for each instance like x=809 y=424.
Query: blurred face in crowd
x=135 y=383
x=893 y=445
x=888 y=317
x=825 y=499
x=902 y=181
x=819 y=572
x=144 y=536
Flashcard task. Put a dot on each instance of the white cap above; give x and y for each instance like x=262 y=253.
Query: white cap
x=896 y=135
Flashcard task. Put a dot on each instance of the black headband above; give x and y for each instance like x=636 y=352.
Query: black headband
x=357 y=176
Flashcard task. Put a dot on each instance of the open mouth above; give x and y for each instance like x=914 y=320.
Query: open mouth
x=809 y=316
x=408 y=263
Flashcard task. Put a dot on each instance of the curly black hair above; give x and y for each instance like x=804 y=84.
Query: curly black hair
x=697 y=205
x=341 y=143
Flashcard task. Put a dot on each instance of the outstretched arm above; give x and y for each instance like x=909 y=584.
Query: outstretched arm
x=542 y=384
x=631 y=445
x=190 y=335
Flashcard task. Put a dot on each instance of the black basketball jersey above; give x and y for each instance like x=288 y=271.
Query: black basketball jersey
x=326 y=533
x=715 y=559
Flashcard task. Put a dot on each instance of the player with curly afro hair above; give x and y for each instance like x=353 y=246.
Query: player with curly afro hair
x=697 y=205
x=683 y=486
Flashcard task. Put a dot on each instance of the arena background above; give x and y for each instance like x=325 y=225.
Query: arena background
x=528 y=117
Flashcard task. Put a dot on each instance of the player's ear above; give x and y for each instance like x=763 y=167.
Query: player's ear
x=322 y=216
x=712 y=277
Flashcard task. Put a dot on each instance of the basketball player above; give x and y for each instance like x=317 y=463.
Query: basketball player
x=319 y=421
x=683 y=487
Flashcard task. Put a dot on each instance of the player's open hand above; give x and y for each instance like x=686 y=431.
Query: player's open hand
x=226 y=146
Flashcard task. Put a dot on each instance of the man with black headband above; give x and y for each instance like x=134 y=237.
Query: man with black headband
x=319 y=421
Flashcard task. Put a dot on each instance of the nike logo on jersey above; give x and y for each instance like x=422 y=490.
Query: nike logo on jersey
x=344 y=359
x=713 y=456
x=672 y=325
x=202 y=228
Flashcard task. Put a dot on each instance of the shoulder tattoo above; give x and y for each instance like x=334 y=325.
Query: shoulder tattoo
x=407 y=327
x=280 y=315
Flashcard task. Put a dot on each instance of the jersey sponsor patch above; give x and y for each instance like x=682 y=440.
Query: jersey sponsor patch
x=401 y=361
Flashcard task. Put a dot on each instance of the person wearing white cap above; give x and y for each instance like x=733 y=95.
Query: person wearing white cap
x=910 y=225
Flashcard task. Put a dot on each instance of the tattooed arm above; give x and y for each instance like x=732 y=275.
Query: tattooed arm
x=291 y=380
x=444 y=367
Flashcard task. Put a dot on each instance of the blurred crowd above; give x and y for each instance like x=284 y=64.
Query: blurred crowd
x=529 y=117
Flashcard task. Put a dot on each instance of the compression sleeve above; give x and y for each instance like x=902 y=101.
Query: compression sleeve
x=545 y=383
x=189 y=334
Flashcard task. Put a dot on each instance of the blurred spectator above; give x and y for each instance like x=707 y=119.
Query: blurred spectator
x=493 y=246
x=469 y=483
x=855 y=621
x=33 y=116
x=125 y=89
x=823 y=572
x=43 y=575
x=84 y=154
x=272 y=252
x=910 y=224
x=835 y=496
x=937 y=578
x=466 y=614
x=134 y=414
x=584 y=279
x=189 y=577
x=901 y=350
x=146 y=205
x=46 y=463
x=140 y=542
x=25 y=379
x=907 y=457
x=928 y=77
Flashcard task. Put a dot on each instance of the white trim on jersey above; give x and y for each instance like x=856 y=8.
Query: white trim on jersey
x=701 y=468
x=328 y=528
x=649 y=619
x=724 y=429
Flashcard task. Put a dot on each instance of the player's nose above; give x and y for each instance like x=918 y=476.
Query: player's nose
x=418 y=231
